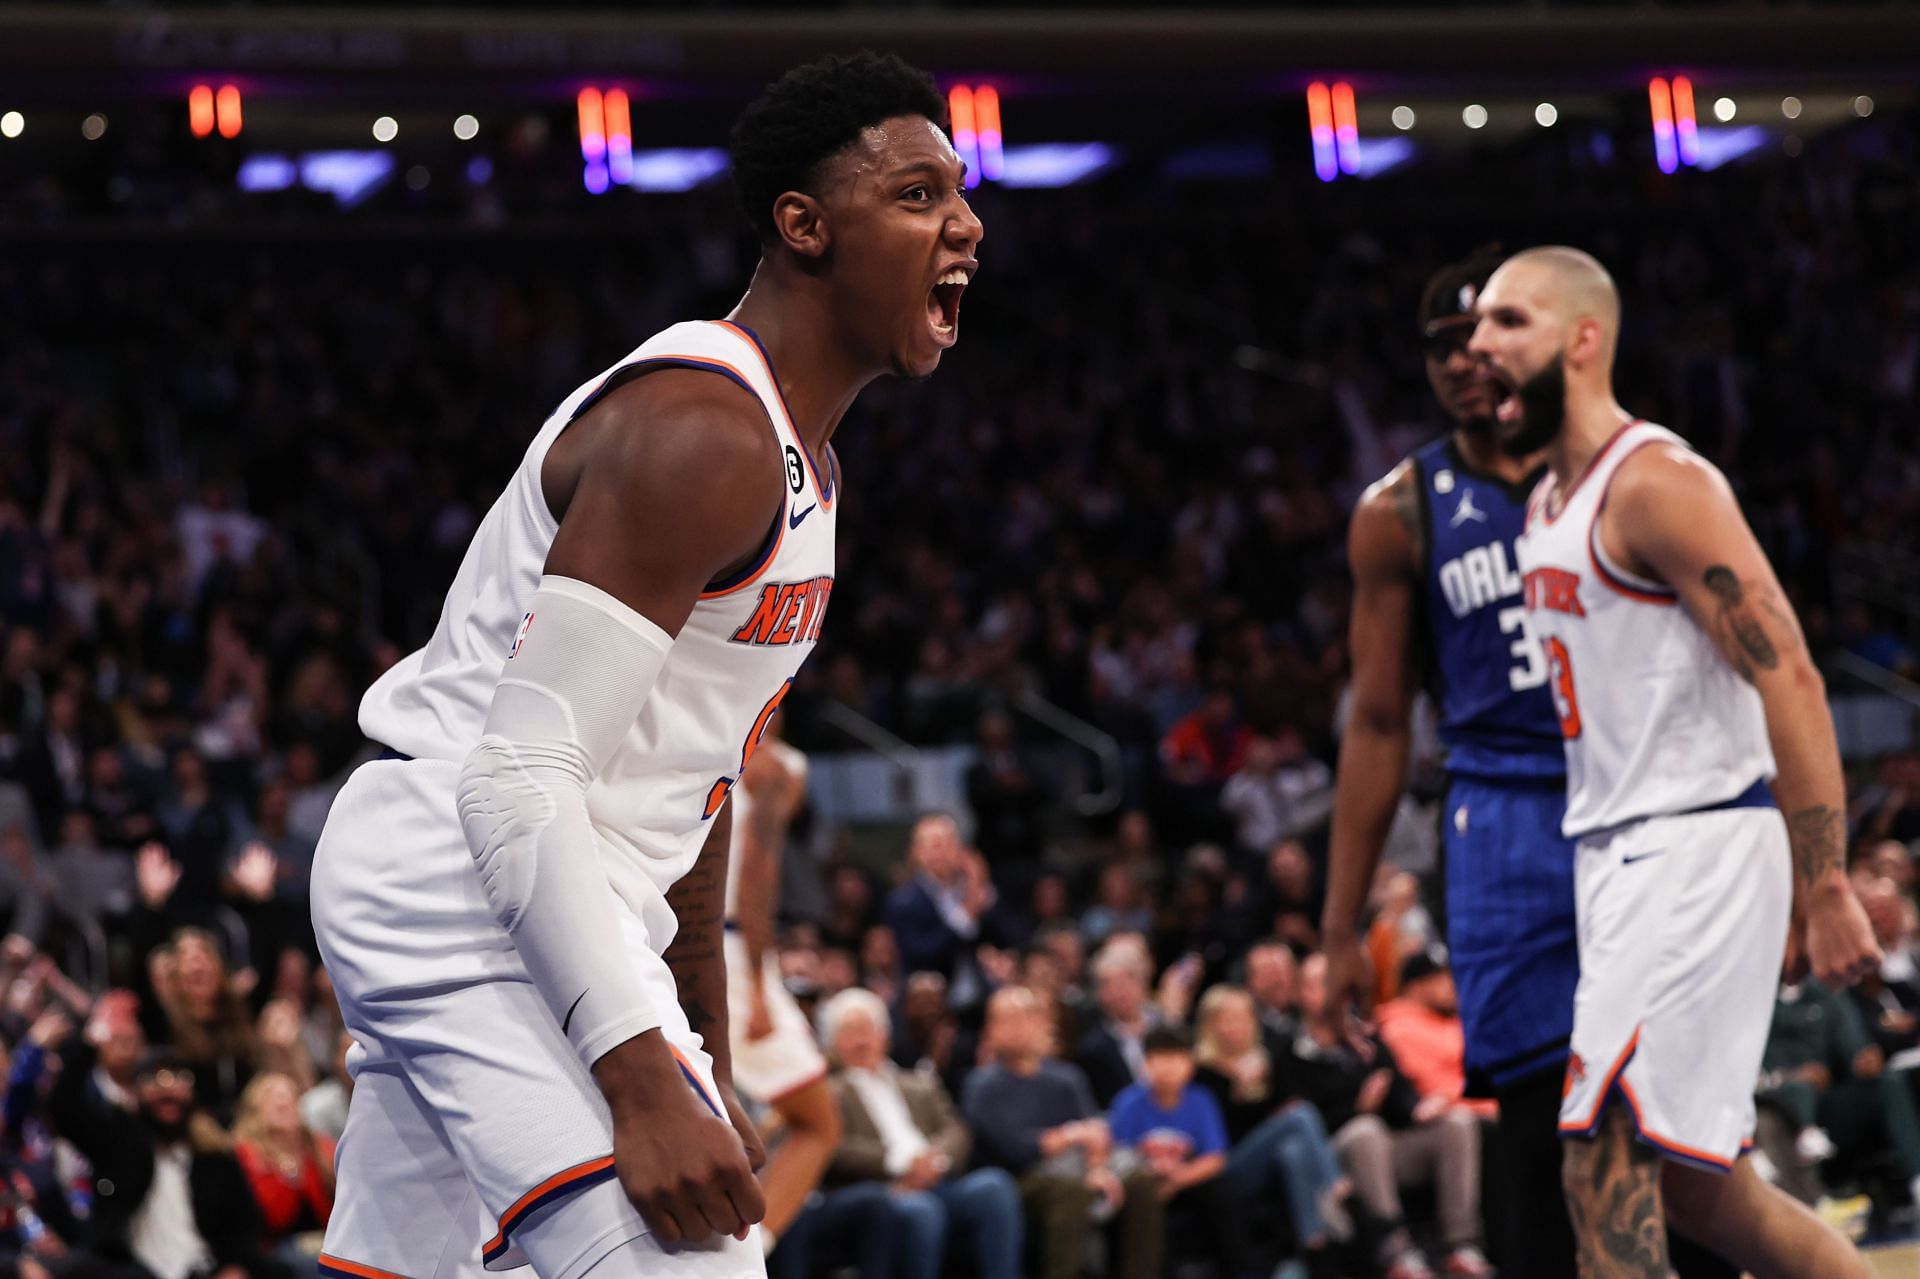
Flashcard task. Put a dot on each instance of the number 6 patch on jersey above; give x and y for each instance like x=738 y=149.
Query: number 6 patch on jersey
x=1565 y=700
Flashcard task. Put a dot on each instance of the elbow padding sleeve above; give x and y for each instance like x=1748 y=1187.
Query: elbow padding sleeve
x=567 y=697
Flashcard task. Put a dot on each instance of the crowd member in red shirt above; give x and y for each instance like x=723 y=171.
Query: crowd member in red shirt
x=1199 y=753
x=288 y=1165
x=1422 y=1028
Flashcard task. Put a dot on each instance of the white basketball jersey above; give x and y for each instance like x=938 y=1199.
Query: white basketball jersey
x=1654 y=719
x=728 y=669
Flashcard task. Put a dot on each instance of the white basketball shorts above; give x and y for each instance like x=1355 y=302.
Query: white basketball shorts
x=788 y=1059
x=1683 y=927
x=473 y=1123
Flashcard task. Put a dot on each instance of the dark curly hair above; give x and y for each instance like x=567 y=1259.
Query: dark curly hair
x=813 y=112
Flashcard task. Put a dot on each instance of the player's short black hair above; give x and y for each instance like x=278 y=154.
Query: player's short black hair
x=811 y=113
x=1165 y=1039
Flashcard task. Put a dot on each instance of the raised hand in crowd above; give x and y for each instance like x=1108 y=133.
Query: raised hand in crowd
x=156 y=873
x=257 y=872
x=1178 y=986
x=50 y=1029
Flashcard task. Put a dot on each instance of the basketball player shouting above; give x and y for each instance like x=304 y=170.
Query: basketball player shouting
x=1683 y=688
x=1435 y=586
x=496 y=898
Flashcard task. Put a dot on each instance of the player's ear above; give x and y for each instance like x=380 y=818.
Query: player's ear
x=800 y=222
x=1589 y=342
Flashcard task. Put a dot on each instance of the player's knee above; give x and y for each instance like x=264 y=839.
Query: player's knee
x=1694 y=1200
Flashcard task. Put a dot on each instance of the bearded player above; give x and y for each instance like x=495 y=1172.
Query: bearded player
x=1437 y=595
x=1704 y=794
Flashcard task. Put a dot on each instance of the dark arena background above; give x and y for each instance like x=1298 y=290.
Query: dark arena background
x=286 y=290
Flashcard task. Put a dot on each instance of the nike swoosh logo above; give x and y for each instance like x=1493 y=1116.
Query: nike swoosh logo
x=793 y=521
x=1628 y=861
x=568 y=1019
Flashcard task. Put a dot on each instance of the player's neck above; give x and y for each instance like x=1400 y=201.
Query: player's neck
x=1590 y=423
x=1482 y=452
x=818 y=378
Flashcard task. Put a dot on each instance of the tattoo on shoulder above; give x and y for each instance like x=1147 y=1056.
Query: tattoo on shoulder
x=1818 y=837
x=1737 y=624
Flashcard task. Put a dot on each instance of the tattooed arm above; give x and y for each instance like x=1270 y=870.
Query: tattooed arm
x=697 y=955
x=1672 y=516
x=1384 y=551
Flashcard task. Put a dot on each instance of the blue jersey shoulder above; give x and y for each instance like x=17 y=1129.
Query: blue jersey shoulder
x=1484 y=666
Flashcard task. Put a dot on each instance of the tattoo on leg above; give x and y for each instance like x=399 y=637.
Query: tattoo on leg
x=1613 y=1195
x=1737 y=625
x=1818 y=837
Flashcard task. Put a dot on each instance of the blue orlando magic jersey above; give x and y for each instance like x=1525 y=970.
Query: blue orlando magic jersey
x=1485 y=668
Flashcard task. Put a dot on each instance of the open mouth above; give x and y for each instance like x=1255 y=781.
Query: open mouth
x=943 y=304
x=1505 y=396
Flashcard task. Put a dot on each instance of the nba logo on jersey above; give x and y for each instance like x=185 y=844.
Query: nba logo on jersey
x=526 y=624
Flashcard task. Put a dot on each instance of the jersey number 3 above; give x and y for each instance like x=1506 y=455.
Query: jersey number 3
x=1531 y=672
x=717 y=796
x=1564 y=699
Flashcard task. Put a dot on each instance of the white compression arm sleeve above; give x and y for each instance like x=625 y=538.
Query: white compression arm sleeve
x=566 y=699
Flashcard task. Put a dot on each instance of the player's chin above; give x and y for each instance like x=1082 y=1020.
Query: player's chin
x=917 y=359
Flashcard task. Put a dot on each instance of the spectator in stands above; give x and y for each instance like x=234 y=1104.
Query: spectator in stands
x=1386 y=1135
x=1273 y=980
x=1120 y=906
x=1279 y=1146
x=1049 y=905
x=198 y=830
x=1176 y=1127
x=1287 y=902
x=1895 y=915
x=1889 y=810
x=1034 y=1116
x=900 y=1129
x=1111 y=1053
x=1044 y=970
x=849 y=906
x=1421 y=1027
x=122 y=810
x=203 y=1015
x=271 y=828
x=1202 y=750
x=1280 y=792
x=289 y=1168
x=52 y=761
x=27 y=886
x=280 y=1045
x=935 y=916
x=168 y=1192
x=1402 y=928
x=1007 y=805
x=40 y=1236
x=91 y=885
x=880 y=968
x=1824 y=1091
x=323 y=1107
